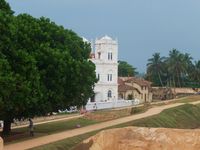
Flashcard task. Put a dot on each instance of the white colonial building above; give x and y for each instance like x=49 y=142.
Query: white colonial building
x=105 y=58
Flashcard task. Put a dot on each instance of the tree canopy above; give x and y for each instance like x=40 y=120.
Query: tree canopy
x=155 y=68
x=43 y=67
x=176 y=70
x=125 y=69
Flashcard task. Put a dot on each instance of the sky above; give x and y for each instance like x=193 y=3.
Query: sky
x=142 y=27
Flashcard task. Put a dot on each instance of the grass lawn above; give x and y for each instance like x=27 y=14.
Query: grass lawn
x=59 y=126
x=189 y=99
x=185 y=116
x=65 y=144
x=21 y=134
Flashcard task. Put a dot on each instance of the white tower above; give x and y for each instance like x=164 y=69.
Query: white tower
x=106 y=62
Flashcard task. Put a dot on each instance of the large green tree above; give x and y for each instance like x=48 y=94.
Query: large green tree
x=55 y=47
x=125 y=69
x=43 y=67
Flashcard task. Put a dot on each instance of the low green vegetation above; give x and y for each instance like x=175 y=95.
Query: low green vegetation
x=185 y=117
x=48 y=128
x=189 y=99
x=182 y=117
x=137 y=110
x=65 y=144
x=59 y=126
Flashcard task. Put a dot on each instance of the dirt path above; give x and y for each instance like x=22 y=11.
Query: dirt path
x=59 y=136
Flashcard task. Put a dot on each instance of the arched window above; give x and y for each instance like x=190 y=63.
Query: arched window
x=109 y=94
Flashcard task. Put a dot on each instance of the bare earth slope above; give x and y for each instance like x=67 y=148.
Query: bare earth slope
x=134 y=138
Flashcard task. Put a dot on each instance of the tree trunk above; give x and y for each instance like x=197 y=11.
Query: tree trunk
x=174 y=86
x=179 y=82
x=7 y=127
x=174 y=82
x=160 y=79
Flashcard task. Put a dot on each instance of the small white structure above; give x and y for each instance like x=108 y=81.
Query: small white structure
x=105 y=58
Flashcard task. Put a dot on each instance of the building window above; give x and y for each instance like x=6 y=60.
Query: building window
x=109 y=94
x=109 y=77
x=99 y=55
x=109 y=56
x=92 y=98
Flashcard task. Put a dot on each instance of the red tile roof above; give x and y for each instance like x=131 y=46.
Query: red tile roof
x=138 y=81
x=124 y=88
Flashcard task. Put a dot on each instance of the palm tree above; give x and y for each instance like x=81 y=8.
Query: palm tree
x=188 y=61
x=187 y=66
x=178 y=64
x=195 y=73
x=155 y=66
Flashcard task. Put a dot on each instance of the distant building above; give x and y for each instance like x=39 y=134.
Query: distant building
x=166 y=93
x=134 y=88
x=105 y=58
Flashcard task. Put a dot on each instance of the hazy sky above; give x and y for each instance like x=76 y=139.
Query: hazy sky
x=142 y=27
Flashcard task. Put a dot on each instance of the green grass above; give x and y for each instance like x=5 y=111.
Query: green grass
x=189 y=99
x=183 y=117
x=49 y=128
x=186 y=116
x=58 y=126
x=65 y=144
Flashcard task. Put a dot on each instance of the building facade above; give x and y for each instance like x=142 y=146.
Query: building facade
x=135 y=88
x=105 y=58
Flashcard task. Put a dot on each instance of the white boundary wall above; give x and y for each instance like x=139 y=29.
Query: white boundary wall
x=111 y=104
